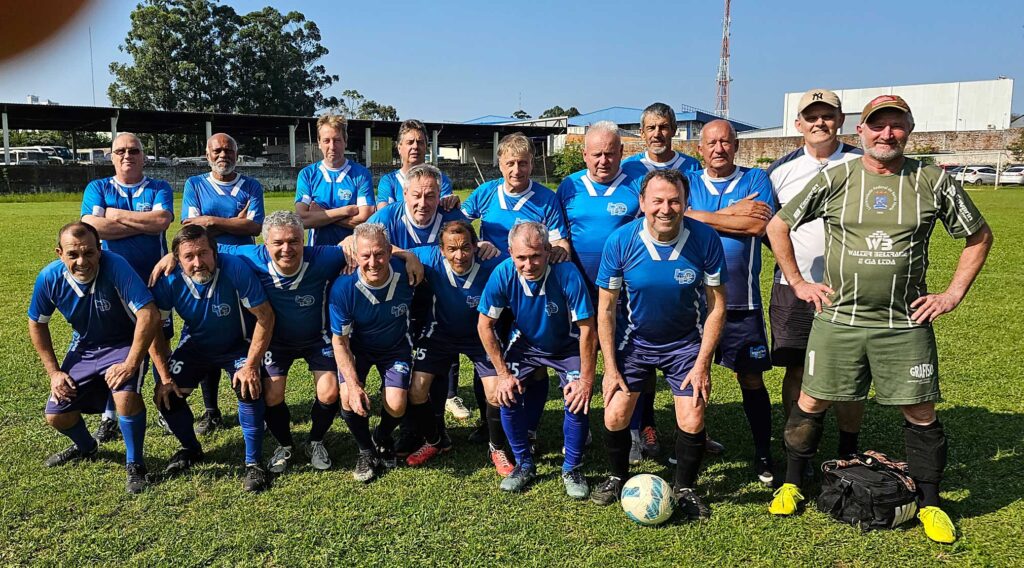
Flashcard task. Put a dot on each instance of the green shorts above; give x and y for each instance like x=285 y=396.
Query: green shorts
x=843 y=360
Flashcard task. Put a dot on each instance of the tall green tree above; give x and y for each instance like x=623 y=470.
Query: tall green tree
x=559 y=111
x=352 y=104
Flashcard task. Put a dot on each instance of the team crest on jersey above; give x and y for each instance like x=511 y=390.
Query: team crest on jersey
x=399 y=310
x=327 y=352
x=143 y=207
x=221 y=310
x=344 y=194
x=880 y=199
x=239 y=363
x=305 y=301
x=551 y=308
x=102 y=305
x=400 y=367
x=758 y=352
x=473 y=301
x=617 y=209
x=684 y=276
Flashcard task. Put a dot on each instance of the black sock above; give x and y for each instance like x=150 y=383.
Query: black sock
x=847 y=443
x=758 y=408
x=927 y=452
x=423 y=421
x=689 y=455
x=359 y=426
x=438 y=396
x=494 y=429
x=647 y=410
x=210 y=387
x=802 y=435
x=279 y=422
x=619 y=442
x=481 y=397
x=321 y=415
x=388 y=423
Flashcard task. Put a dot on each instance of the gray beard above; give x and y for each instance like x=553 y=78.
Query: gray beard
x=884 y=157
x=222 y=171
x=206 y=280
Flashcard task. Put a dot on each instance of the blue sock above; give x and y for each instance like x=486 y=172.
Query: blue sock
x=536 y=398
x=634 y=421
x=80 y=435
x=180 y=420
x=515 y=422
x=250 y=416
x=110 y=412
x=574 y=431
x=133 y=428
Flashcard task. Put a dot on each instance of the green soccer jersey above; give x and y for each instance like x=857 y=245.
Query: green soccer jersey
x=877 y=229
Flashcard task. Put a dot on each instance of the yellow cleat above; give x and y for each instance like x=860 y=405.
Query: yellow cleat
x=937 y=525
x=786 y=500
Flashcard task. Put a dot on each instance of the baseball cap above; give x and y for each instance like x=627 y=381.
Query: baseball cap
x=818 y=96
x=884 y=101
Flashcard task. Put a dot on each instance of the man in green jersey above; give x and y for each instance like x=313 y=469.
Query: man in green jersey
x=873 y=311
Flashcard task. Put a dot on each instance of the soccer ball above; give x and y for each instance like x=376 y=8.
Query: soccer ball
x=648 y=499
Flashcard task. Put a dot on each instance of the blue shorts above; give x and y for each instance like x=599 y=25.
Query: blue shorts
x=435 y=356
x=319 y=357
x=87 y=367
x=394 y=366
x=189 y=367
x=638 y=364
x=743 y=347
x=522 y=360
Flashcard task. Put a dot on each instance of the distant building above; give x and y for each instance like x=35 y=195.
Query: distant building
x=690 y=120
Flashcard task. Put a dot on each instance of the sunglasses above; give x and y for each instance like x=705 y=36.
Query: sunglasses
x=129 y=151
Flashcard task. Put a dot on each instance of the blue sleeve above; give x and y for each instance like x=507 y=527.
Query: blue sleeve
x=715 y=271
x=554 y=218
x=379 y=217
x=250 y=291
x=691 y=164
x=576 y=295
x=494 y=299
x=446 y=186
x=236 y=250
x=386 y=190
x=339 y=308
x=364 y=190
x=127 y=283
x=609 y=275
x=92 y=199
x=163 y=198
x=41 y=307
x=453 y=215
x=424 y=254
x=190 y=201
x=471 y=207
x=333 y=257
x=762 y=188
x=304 y=186
x=256 y=207
x=162 y=295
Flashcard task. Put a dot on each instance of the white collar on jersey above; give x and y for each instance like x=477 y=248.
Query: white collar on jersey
x=226 y=187
x=80 y=288
x=365 y=288
x=651 y=244
x=834 y=157
x=589 y=184
x=734 y=177
x=342 y=171
x=191 y=285
x=277 y=275
x=470 y=275
x=543 y=283
x=434 y=225
x=136 y=188
x=523 y=197
x=671 y=164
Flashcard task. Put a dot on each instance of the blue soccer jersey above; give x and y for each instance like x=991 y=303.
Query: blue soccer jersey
x=499 y=211
x=742 y=254
x=204 y=195
x=545 y=310
x=214 y=320
x=299 y=299
x=141 y=251
x=352 y=184
x=102 y=312
x=594 y=210
x=453 y=315
x=662 y=281
x=390 y=186
x=404 y=233
x=638 y=165
x=375 y=318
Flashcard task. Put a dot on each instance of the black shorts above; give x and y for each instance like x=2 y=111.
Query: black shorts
x=790 y=319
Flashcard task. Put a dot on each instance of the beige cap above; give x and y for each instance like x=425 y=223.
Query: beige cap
x=884 y=101
x=818 y=96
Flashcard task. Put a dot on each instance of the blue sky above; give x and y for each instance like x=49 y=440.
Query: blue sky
x=446 y=60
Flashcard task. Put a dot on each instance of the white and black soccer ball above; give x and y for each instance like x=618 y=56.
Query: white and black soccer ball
x=648 y=499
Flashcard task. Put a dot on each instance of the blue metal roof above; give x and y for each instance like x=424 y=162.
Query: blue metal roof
x=628 y=115
x=490 y=119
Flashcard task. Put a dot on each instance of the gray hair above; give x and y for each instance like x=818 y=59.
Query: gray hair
x=281 y=218
x=371 y=231
x=411 y=125
x=660 y=110
x=424 y=171
x=732 y=129
x=524 y=229
x=129 y=134
x=234 y=143
x=604 y=126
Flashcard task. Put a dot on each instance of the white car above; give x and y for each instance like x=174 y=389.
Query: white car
x=977 y=175
x=1012 y=175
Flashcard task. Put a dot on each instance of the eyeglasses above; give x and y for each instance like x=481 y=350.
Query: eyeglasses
x=129 y=151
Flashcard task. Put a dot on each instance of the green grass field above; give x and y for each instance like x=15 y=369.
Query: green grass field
x=452 y=513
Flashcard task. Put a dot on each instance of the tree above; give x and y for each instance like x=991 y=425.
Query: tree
x=569 y=159
x=520 y=114
x=354 y=105
x=59 y=138
x=1017 y=146
x=559 y=111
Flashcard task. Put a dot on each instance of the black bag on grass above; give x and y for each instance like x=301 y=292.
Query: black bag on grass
x=869 y=491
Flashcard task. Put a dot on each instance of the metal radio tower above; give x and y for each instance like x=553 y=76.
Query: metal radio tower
x=722 y=98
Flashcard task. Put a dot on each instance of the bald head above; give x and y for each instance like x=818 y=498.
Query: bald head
x=718 y=128
x=222 y=155
x=718 y=145
x=125 y=140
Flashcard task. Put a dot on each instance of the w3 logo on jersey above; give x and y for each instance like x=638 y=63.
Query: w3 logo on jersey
x=305 y=301
x=551 y=308
x=221 y=310
x=399 y=310
x=617 y=209
x=473 y=301
x=879 y=240
x=684 y=276
x=101 y=304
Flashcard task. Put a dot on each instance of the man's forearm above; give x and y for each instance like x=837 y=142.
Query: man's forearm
x=713 y=326
x=109 y=230
x=485 y=328
x=148 y=222
x=733 y=224
x=782 y=248
x=147 y=324
x=261 y=335
x=352 y=221
x=606 y=326
x=159 y=350
x=972 y=259
x=42 y=341
x=344 y=358
x=588 y=353
x=236 y=226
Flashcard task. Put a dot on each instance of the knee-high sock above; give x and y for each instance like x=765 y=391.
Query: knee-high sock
x=802 y=435
x=847 y=443
x=495 y=429
x=438 y=396
x=321 y=415
x=250 y=416
x=575 y=427
x=80 y=435
x=515 y=420
x=536 y=396
x=647 y=418
x=453 y=380
x=689 y=454
x=210 y=386
x=388 y=423
x=359 y=426
x=619 y=442
x=758 y=408
x=481 y=396
x=423 y=421
x=638 y=411
x=179 y=420
x=279 y=422
x=133 y=428
x=927 y=452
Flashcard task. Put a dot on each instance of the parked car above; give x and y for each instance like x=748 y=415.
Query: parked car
x=977 y=175
x=1012 y=175
x=28 y=158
